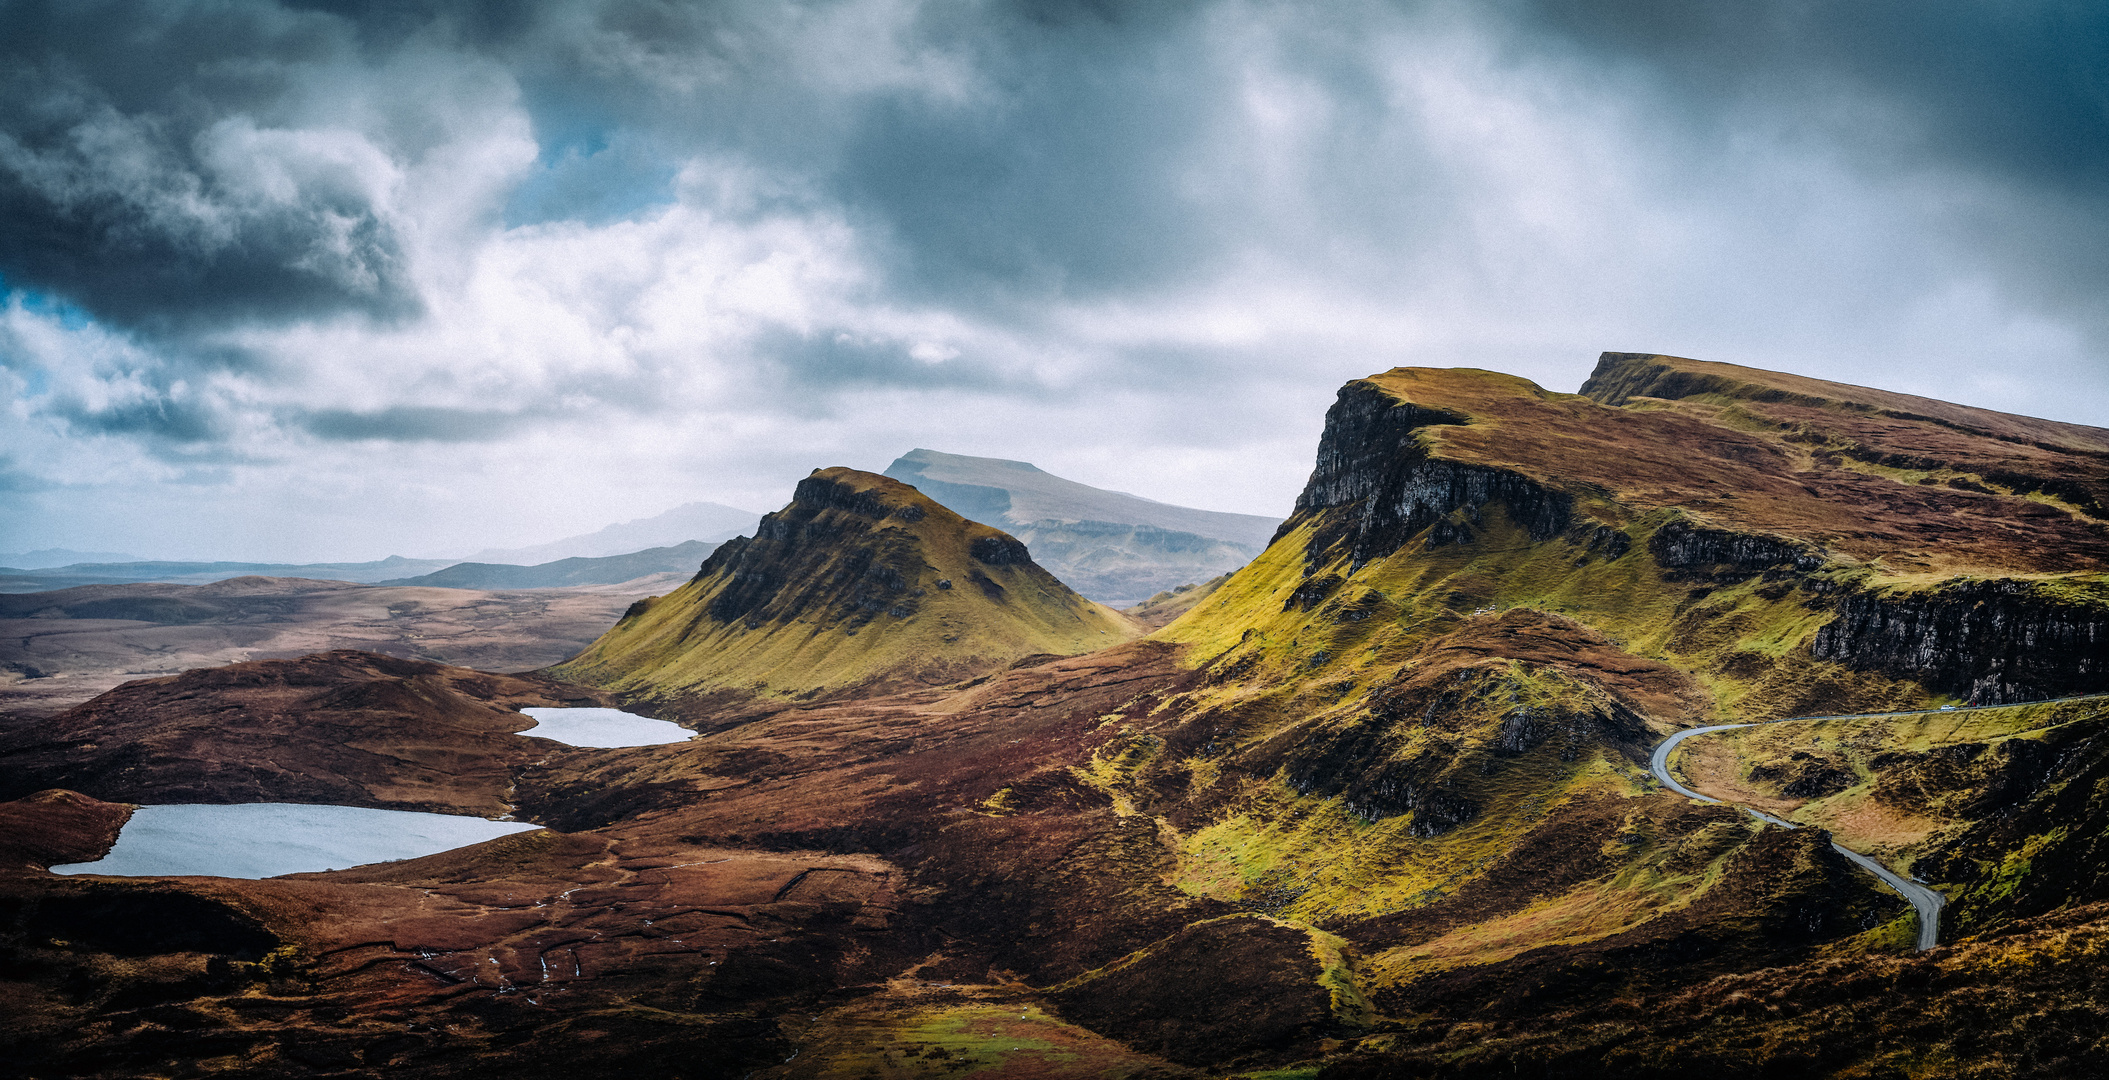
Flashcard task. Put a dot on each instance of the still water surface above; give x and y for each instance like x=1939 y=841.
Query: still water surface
x=257 y=840
x=603 y=728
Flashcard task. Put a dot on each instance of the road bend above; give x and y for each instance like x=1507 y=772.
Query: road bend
x=1926 y=902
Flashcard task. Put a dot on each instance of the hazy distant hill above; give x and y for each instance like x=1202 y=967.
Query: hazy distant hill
x=49 y=557
x=614 y=570
x=1000 y=492
x=58 y=649
x=1113 y=547
x=202 y=573
x=690 y=521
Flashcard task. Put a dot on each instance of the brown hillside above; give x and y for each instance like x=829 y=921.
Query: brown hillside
x=345 y=727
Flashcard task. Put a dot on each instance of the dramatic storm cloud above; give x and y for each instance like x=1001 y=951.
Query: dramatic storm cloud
x=330 y=280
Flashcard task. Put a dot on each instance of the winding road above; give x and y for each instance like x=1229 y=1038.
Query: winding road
x=1925 y=901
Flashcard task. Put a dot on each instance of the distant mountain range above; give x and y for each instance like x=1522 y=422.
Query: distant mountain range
x=707 y=521
x=1113 y=547
x=677 y=540
x=1003 y=493
x=613 y=570
x=50 y=557
x=203 y=573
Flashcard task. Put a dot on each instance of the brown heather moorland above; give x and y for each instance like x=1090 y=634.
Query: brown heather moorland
x=1376 y=805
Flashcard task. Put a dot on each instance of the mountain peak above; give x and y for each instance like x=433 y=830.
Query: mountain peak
x=860 y=582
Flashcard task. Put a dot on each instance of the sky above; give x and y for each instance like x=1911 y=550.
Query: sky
x=332 y=281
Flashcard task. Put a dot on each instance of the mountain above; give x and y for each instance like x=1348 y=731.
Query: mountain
x=1112 y=547
x=860 y=581
x=1440 y=784
x=50 y=557
x=706 y=521
x=201 y=573
x=1002 y=492
x=612 y=570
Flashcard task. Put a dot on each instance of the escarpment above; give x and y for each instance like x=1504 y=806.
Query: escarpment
x=1689 y=552
x=1724 y=506
x=1375 y=483
x=860 y=581
x=1992 y=642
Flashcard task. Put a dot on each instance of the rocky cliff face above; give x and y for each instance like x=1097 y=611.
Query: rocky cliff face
x=1375 y=484
x=1991 y=642
x=1813 y=496
x=1689 y=552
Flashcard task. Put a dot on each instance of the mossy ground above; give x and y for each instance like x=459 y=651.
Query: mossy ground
x=918 y=1033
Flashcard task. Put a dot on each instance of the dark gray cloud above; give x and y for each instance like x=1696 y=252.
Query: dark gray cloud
x=2017 y=90
x=2009 y=98
x=143 y=175
x=363 y=247
x=411 y=423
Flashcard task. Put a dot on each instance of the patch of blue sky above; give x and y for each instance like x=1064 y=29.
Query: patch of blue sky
x=69 y=315
x=593 y=175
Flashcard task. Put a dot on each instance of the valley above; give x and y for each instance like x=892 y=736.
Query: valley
x=60 y=648
x=1447 y=780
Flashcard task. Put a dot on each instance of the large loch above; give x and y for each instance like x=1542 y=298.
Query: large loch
x=259 y=840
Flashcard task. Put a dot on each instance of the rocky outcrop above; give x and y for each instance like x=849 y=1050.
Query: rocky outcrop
x=1375 y=485
x=999 y=551
x=1424 y=746
x=1993 y=641
x=1690 y=552
x=1621 y=377
x=827 y=490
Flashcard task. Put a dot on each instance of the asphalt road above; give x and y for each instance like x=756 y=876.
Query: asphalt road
x=1925 y=901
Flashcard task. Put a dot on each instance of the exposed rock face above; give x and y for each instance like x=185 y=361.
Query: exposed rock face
x=999 y=551
x=1990 y=641
x=1377 y=485
x=861 y=580
x=1764 y=488
x=1719 y=555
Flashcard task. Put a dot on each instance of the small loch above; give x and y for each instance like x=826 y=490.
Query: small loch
x=604 y=729
x=259 y=840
